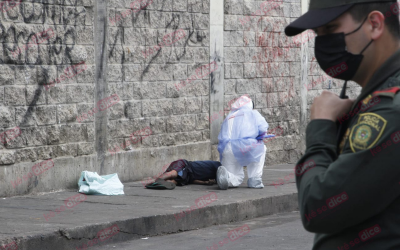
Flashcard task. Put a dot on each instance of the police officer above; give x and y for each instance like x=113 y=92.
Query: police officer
x=348 y=180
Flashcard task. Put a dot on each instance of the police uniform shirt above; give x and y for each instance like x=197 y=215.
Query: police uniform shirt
x=349 y=189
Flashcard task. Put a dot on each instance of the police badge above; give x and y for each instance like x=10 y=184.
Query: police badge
x=366 y=133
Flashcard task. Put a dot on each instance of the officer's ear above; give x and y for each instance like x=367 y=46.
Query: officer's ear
x=376 y=21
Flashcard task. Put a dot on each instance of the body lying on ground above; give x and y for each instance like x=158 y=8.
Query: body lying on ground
x=183 y=172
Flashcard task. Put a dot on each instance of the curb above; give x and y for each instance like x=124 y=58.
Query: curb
x=136 y=228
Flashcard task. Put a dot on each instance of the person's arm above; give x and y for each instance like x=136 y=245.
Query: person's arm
x=337 y=192
x=209 y=182
x=261 y=123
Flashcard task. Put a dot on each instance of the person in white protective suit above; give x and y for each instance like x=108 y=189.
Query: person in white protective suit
x=238 y=146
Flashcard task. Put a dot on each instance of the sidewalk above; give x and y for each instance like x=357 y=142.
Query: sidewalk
x=140 y=213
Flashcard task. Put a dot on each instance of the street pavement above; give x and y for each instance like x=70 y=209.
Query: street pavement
x=59 y=221
x=275 y=232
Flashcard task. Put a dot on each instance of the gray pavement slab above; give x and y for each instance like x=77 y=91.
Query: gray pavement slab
x=139 y=213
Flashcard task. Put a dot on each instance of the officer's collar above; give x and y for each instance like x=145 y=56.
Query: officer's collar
x=387 y=69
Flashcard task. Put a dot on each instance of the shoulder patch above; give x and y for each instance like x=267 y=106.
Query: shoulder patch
x=391 y=92
x=366 y=133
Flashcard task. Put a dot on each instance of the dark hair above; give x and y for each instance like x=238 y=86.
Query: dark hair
x=360 y=11
x=253 y=103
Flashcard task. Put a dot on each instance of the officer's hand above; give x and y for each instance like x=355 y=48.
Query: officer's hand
x=329 y=106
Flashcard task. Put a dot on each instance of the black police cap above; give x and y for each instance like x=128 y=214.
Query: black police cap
x=321 y=12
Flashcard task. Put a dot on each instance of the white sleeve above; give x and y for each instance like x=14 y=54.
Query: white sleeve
x=261 y=123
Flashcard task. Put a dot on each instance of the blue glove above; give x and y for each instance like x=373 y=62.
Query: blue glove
x=263 y=136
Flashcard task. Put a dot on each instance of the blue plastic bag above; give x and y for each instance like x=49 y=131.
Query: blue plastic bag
x=92 y=183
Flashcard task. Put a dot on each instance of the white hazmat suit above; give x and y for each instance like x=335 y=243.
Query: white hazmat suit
x=238 y=146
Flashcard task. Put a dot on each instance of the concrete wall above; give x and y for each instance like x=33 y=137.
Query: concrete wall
x=112 y=41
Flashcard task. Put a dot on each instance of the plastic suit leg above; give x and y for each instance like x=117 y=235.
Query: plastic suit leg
x=255 y=171
x=235 y=171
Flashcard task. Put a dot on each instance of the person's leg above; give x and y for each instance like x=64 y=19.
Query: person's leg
x=235 y=170
x=169 y=175
x=255 y=171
